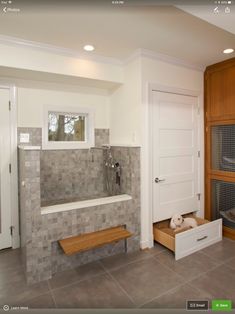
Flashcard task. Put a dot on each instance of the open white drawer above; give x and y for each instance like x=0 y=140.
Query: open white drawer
x=188 y=241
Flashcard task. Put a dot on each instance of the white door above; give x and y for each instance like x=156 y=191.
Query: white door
x=5 y=196
x=175 y=154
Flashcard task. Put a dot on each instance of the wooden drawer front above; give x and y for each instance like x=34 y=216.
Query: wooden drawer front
x=196 y=239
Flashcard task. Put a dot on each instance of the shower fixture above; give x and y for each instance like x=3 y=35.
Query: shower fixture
x=112 y=170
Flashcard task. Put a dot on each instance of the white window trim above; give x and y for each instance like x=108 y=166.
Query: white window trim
x=90 y=130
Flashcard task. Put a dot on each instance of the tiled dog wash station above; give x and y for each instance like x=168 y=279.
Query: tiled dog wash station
x=64 y=193
x=117 y=165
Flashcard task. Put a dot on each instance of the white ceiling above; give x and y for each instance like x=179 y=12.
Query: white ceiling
x=221 y=19
x=118 y=31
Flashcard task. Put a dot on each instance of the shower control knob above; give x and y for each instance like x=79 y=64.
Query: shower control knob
x=157 y=180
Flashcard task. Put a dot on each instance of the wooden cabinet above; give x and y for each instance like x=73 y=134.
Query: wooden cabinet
x=220 y=144
x=220 y=91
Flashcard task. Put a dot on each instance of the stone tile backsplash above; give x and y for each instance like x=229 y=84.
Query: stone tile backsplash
x=35 y=136
x=71 y=174
x=101 y=137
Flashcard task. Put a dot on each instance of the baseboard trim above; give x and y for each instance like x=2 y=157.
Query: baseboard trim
x=16 y=242
x=148 y=244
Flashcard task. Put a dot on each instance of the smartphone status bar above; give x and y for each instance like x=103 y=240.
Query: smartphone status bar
x=115 y=2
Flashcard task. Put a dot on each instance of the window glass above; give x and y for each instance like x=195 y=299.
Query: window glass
x=66 y=127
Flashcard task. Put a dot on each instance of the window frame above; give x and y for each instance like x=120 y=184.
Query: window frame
x=89 y=128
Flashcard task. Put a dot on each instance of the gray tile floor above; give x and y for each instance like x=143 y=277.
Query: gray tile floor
x=146 y=279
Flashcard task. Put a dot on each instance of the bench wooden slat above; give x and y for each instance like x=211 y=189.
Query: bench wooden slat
x=93 y=240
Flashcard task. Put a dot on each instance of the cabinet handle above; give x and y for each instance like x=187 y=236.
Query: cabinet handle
x=203 y=238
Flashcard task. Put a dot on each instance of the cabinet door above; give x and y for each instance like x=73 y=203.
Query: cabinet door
x=229 y=91
x=214 y=96
x=221 y=95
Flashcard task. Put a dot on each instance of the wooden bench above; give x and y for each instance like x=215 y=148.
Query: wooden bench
x=87 y=241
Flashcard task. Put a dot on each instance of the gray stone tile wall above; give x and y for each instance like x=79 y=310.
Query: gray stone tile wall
x=123 y=156
x=29 y=190
x=72 y=174
x=101 y=137
x=35 y=136
x=40 y=233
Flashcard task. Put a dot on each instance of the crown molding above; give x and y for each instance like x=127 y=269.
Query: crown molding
x=163 y=57
x=18 y=42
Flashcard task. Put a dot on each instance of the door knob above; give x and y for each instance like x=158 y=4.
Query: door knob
x=157 y=180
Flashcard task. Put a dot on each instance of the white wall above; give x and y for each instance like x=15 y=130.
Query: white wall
x=36 y=59
x=165 y=74
x=31 y=101
x=125 y=108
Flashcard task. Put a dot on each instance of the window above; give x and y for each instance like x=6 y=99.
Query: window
x=68 y=128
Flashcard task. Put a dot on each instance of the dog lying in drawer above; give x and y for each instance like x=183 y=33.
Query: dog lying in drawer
x=186 y=241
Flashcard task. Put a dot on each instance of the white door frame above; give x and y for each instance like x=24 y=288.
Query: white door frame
x=146 y=158
x=14 y=167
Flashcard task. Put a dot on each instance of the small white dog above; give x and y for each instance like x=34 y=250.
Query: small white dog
x=178 y=222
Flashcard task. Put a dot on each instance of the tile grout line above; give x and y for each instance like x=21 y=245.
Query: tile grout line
x=195 y=277
x=203 y=273
x=220 y=263
x=223 y=262
x=128 y=263
x=51 y=290
x=54 y=299
x=134 y=261
x=52 y=294
x=161 y=294
x=121 y=288
x=76 y=281
x=230 y=267
x=168 y=268
x=40 y=294
x=93 y=276
x=188 y=283
x=182 y=284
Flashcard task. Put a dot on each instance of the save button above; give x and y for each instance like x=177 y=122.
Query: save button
x=221 y=305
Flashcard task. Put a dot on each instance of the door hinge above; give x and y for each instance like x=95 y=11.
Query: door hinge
x=11 y=230
x=199 y=154
x=198 y=110
x=199 y=196
x=207 y=129
x=9 y=168
x=9 y=105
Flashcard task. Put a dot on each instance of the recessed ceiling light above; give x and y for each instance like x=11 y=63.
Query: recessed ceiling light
x=229 y=50
x=88 y=47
